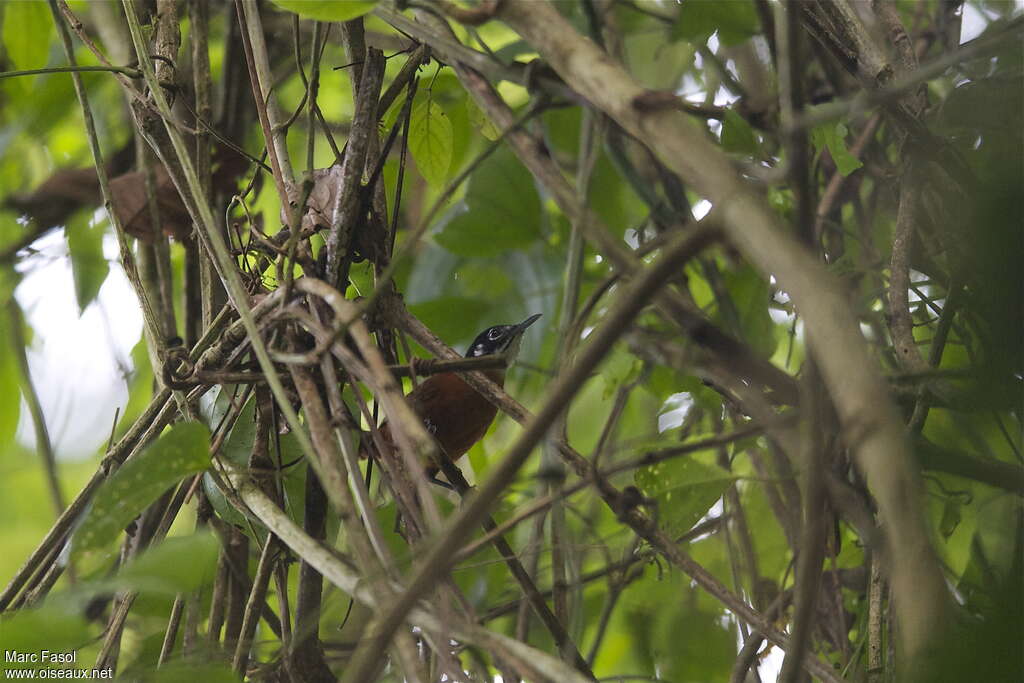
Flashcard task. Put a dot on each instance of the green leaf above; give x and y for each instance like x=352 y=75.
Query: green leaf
x=390 y=117
x=431 y=140
x=562 y=129
x=179 y=564
x=178 y=671
x=179 y=452
x=52 y=627
x=833 y=136
x=327 y=10
x=27 y=30
x=11 y=232
x=223 y=507
x=951 y=516
x=9 y=279
x=481 y=121
x=452 y=317
x=140 y=387
x=698 y=19
x=10 y=371
x=88 y=265
x=656 y=64
x=738 y=136
x=503 y=210
x=663 y=381
x=613 y=198
x=751 y=295
x=619 y=370
x=238 y=446
x=688 y=642
x=780 y=200
x=684 y=488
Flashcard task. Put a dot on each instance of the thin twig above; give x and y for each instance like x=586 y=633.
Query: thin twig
x=16 y=325
x=253 y=607
x=814 y=409
x=173 y=622
x=127 y=71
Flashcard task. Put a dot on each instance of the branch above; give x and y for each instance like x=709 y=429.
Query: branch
x=563 y=641
x=731 y=353
x=646 y=460
x=16 y=324
x=423 y=367
x=254 y=605
x=261 y=78
x=901 y=323
x=344 y=212
x=127 y=259
x=814 y=420
x=125 y=70
x=446 y=48
x=158 y=414
x=471 y=16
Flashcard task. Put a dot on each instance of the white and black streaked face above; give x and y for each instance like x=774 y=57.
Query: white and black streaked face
x=491 y=340
x=499 y=339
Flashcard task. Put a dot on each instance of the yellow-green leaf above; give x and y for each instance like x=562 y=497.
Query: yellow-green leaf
x=684 y=488
x=431 y=140
x=833 y=136
x=734 y=21
x=10 y=373
x=178 y=564
x=737 y=135
x=88 y=265
x=327 y=10
x=182 y=451
x=27 y=29
x=52 y=627
x=503 y=210
x=481 y=121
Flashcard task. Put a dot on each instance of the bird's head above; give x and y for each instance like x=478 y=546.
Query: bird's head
x=500 y=339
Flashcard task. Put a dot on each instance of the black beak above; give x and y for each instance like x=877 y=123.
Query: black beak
x=526 y=323
x=512 y=340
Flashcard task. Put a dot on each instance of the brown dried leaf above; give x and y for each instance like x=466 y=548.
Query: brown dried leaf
x=59 y=196
x=128 y=195
x=66 y=191
x=70 y=189
x=322 y=198
x=323 y=202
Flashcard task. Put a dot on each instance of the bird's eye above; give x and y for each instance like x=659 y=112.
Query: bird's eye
x=494 y=333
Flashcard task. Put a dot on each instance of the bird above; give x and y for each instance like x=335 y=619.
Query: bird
x=453 y=412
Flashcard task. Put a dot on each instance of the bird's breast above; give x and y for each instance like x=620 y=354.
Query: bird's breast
x=453 y=411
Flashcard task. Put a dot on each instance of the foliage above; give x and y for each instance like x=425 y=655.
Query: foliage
x=183 y=450
x=704 y=425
